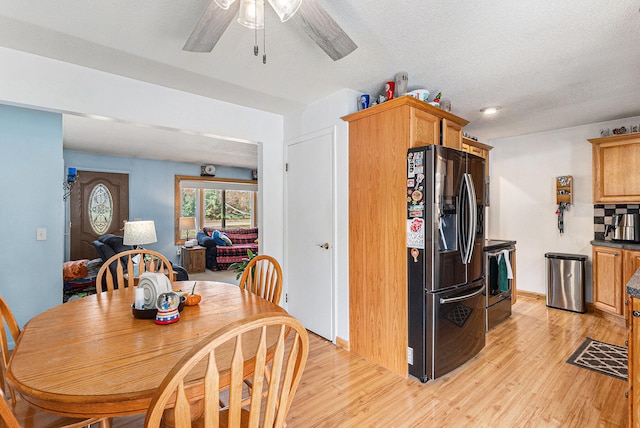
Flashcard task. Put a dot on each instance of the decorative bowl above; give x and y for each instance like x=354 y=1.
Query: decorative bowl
x=421 y=94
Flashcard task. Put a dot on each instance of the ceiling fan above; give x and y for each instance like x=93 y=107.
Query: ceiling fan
x=315 y=21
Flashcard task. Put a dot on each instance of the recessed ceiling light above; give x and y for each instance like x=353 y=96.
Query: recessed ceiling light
x=490 y=110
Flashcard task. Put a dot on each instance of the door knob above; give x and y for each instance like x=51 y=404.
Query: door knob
x=325 y=245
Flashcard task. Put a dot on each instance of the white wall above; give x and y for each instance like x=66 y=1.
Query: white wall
x=523 y=172
x=320 y=115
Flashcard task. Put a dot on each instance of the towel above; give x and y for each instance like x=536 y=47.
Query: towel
x=505 y=256
x=504 y=271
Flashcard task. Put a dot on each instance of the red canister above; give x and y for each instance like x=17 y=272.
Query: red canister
x=390 y=88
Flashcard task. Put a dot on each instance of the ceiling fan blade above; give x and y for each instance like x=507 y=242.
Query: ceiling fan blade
x=324 y=30
x=209 y=29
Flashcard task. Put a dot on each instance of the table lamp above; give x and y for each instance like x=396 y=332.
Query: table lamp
x=137 y=233
x=187 y=223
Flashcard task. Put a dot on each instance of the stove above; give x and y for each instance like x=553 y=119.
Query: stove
x=499 y=285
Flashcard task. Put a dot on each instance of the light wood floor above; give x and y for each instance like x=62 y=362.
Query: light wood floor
x=520 y=379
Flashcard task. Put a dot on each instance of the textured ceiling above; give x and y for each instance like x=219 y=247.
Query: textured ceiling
x=549 y=64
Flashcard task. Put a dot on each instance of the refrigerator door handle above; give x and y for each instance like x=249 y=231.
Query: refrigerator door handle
x=474 y=215
x=470 y=228
x=461 y=298
x=462 y=237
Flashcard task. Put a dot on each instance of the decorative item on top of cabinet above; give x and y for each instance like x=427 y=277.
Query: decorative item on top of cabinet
x=614 y=158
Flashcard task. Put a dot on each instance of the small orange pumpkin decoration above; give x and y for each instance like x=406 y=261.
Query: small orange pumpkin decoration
x=193 y=299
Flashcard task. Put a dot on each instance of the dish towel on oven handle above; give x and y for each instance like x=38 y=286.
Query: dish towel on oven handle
x=504 y=270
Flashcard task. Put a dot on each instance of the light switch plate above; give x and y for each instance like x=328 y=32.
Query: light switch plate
x=41 y=234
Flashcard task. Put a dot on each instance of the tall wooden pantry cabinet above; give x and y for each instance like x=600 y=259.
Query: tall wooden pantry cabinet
x=378 y=141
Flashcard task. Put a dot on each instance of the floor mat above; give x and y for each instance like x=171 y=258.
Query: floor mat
x=601 y=357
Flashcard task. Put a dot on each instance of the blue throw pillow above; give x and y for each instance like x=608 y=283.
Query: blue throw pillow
x=217 y=239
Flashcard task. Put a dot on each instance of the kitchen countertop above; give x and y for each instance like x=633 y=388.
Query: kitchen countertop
x=624 y=245
x=633 y=286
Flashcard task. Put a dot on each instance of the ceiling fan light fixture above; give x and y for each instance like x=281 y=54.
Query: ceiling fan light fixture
x=224 y=3
x=285 y=8
x=251 y=14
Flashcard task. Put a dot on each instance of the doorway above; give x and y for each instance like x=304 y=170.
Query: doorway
x=309 y=229
x=99 y=204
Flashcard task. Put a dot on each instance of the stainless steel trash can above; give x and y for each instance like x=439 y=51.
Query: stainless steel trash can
x=565 y=281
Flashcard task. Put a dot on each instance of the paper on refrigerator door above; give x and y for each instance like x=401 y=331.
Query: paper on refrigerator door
x=415 y=233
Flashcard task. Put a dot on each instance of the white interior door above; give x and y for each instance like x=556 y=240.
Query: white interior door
x=309 y=233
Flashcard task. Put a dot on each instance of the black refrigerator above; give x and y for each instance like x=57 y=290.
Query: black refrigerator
x=445 y=238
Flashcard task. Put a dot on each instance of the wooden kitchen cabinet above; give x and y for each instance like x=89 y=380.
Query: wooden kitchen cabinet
x=612 y=270
x=479 y=149
x=379 y=138
x=607 y=280
x=424 y=128
x=451 y=134
x=614 y=160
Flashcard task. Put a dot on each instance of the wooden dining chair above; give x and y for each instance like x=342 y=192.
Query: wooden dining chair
x=263 y=276
x=225 y=357
x=8 y=323
x=22 y=415
x=124 y=265
x=18 y=413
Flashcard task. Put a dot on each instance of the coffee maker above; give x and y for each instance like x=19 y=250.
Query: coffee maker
x=625 y=227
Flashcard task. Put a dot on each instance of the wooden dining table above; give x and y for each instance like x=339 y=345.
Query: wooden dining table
x=92 y=358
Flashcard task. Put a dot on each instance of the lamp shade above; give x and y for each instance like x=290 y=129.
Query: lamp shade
x=187 y=223
x=139 y=233
x=251 y=13
x=285 y=8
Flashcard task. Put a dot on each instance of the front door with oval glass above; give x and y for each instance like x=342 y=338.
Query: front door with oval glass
x=99 y=205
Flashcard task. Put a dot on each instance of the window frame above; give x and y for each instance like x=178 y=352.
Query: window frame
x=178 y=201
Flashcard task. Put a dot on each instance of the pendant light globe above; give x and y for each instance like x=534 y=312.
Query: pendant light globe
x=285 y=8
x=251 y=14
x=224 y=3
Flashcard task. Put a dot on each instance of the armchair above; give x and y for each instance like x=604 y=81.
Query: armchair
x=109 y=245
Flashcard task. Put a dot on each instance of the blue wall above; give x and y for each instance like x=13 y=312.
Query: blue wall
x=31 y=173
x=151 y=189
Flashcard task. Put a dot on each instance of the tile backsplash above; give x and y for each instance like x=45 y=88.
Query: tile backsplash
x=603 y=215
